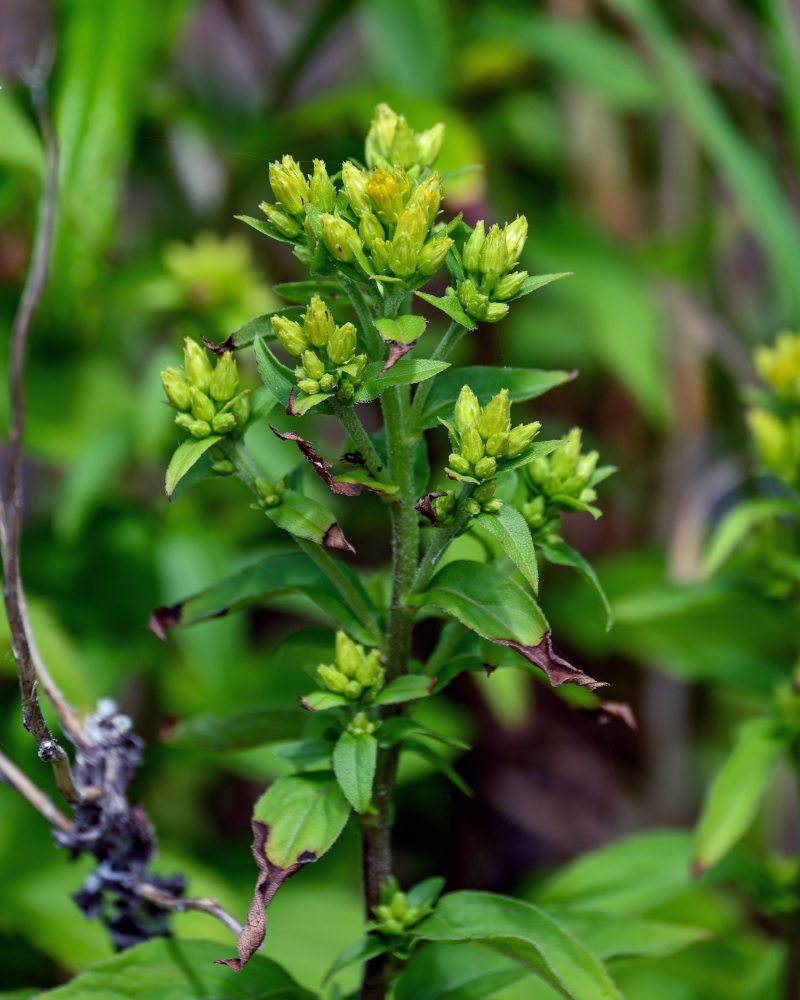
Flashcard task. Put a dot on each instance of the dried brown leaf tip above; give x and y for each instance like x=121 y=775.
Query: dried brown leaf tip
x=167 y=616
x=334 y=539
x=222 y=347
x=270 y=878
x=425 y=505
x=397 y=350
x=558 y=670
x=321 y=467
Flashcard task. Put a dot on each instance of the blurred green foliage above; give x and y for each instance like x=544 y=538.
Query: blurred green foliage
x=654 y=149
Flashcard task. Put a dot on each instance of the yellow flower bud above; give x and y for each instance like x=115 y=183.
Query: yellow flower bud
x=491 y=506
x=428 y=197
x=241 y=409
x=508 y=286
x=196 y=364
x=379 y=252
x=309 y=386
x=433 y=254
x=459 y=464
x=349 y=655
x=202 y=407
x=353 y=689
x=342 y=344
x=496 y=444
x=289 y=185
x=225 y=378
x=313 y=365
x=318 y=322
x=224 y=423
x=320 y=188
x=200 y=429
x=494 y=254
x=472 y=507
x=486 y=467
x=520 y=438
x=403 y=254
x=354 y=181
x=389 y=191
x=467 y=410
x=485 y=491
x=176 y=387
x=515 y=233
x=327 y=383
x=429 y=144
x=281 y=220
x=290 y=334
x=495 y=417
x=471 y=445
x=339 y=237
x=472 y=248
x=380 y=136
x=333 y=679
x=494 y=312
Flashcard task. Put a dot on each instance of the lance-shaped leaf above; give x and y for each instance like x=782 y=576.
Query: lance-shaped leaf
x=608 y=937
x=739 y=523
x=250 y=727
x=306 y=518
x=178 y=969
x=279 y=379
x=564 y=555
x=404 y=688
x=498 y=609
x=456 y=972
x=186 y=455
x=354 y=759
x=450 y=305
x=525 y=933
x=511 y=530
x=271 y=577
x=357 y=953
x=736 y=792
x=294 y=822
x=401 y=334
x=485 y=382
x=535 y=281
x=406 y=371
x=299 y=407
x=262 y=226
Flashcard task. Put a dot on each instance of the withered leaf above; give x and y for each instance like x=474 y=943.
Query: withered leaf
x=558 y=670
x=270 y=878
x=425 y=505
x=397 y=350
x=319 y=464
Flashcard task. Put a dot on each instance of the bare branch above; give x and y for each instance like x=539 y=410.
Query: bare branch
x=11 y=774
x=12 y=500
x=179 y=903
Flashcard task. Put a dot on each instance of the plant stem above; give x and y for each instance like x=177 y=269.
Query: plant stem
x=372 y=339
x=376 y=827
x=444 y=349
x=440 y=541
x=349 y=420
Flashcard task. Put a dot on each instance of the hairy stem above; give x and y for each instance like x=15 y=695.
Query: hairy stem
x=348 y=418
x=444 y=535
x=444 y=349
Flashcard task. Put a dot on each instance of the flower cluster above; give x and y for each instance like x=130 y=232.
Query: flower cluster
x=355 y=671
x=489 y=260
x=483 y=438
x=206 y=398
x=392 y=142
x=327 y=352
x=775 y=421
x=382 y=220
x=396 y=915
x=395 y=217
x=562 y=480
x=269 y=494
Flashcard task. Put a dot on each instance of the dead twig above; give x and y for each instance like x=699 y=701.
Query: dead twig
x=11 y=775
x=182 y=903
x=22 y=641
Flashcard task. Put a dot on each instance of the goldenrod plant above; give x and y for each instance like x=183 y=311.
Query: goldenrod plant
x=372 y=235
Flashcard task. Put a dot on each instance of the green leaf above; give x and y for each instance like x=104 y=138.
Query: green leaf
x=250 y=727
x=306 y=753
x=426 y=752
x=397 y=727
x=456 y=972
x=511 y=530
x=481 y=598
x=522 y=384
x=608 y=937
x=304 y=815
x=403 y=329
x=262 y=226
x=734 y=796
x=354 y=759
x=184 y=458
x=269 y=578
x=171 y=969
x=306 y=518
x=525 y=933
x=450 y=305
x=738 y=523
x=304 y=291
x=357 y=953
x=319 y=701
x=535 y=281
x=620 y=878
x=405 y=688
x=406 y=371
x=303 y=404
x=276 y=377
x=564 y=555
